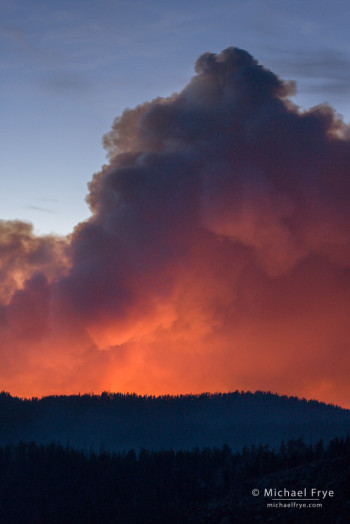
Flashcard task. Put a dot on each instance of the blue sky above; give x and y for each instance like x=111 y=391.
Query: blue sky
x=68 y=68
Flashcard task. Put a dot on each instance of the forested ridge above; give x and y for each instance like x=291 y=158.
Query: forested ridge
x=55 y=484
x=116 y=422
x=130 y=459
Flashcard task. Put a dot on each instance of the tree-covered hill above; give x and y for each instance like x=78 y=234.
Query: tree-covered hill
x=53 y=484
x=116 y=422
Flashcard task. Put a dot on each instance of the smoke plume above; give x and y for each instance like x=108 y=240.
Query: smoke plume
x=217 y=255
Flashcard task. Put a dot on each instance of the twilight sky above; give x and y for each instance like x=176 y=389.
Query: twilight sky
x=68 y=68
x=217 y=252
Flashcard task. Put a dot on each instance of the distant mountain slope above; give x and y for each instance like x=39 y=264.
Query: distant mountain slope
x=240 y=507
x=54 y=484
x=117 y=422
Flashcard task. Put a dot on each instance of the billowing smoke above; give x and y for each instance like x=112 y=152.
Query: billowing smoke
x=217 y=256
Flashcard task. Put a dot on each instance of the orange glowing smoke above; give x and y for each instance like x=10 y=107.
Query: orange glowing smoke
x=217 y=256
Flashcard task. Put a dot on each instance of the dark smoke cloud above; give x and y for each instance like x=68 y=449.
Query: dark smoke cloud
x=217 y=255
x=22 y=254
x=326 y=71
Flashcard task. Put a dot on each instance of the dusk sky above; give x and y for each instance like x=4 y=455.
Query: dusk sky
x=214 y=254
x=68 y=68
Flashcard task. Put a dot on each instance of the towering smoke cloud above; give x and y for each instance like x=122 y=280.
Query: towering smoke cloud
x=217 y=256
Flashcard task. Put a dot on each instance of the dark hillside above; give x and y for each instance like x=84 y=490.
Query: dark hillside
x=55 y=484
x=116 y=422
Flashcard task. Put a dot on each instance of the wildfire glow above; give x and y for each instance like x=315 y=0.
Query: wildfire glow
x=217 y=256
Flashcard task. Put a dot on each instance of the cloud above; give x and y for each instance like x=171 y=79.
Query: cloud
x=22 y=255
x=217 y=255
x=322 y=71
x=67 y=82
x=12 y=33
x=41 y=209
